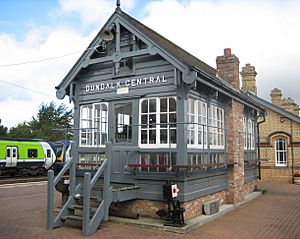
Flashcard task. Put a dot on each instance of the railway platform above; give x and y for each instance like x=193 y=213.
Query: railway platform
x=274 y=215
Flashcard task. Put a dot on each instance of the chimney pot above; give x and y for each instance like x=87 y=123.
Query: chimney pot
x=227 y=52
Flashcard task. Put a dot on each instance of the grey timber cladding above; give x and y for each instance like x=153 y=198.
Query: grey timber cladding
x=179 y=55
x=158 y=67
x=151 y=74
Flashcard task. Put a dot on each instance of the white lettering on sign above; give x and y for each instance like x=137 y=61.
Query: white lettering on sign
x=126 y=83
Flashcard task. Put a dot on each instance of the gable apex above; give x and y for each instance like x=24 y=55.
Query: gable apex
x=157 y=44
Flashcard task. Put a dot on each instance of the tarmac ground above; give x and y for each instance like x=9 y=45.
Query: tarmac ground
x=274 y=214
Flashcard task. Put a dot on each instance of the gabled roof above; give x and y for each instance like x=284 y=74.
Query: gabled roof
x=273 y=107
x=169 y=47
x=172 y=48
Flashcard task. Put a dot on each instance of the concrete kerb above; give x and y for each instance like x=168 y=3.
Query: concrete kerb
x=190 y=224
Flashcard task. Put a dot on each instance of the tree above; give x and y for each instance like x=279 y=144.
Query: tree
x=3 y=130
x=49 y=124
x=49 y=119
x=22 y=130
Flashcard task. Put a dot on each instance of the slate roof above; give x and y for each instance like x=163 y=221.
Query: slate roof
x=273 y=107
x=172 y=48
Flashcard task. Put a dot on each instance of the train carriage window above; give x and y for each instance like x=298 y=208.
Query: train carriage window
x=32 y=153
x=14 y=152
x=48 y=153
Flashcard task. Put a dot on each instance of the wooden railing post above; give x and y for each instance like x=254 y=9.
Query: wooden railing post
x=72 y=178
x=50 y=199
x=86 y=204
x=107 y=175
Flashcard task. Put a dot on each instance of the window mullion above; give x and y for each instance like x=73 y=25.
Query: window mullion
x=157 y=126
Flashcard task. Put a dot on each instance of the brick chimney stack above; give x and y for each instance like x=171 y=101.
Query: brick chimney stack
x=276 y=97
x=248 y=74
x=228 y=68
x=289 y=105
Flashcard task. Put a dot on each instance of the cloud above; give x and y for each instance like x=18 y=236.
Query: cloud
x=262 y=33
x=93 y=12
x=41 y=77
x=43 y=42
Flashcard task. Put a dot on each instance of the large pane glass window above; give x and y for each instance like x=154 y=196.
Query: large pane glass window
x=158 y=121
x=280 y=152
x=202 y=122
x=86 y=124
x=197 y=118
x=249 y=138
x=100 y=123
x=93 y=124
x=216 y=127
x=192 y=121
x=245 y=135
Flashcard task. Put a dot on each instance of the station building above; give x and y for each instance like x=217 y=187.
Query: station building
x=168 y=115
x=279 y=132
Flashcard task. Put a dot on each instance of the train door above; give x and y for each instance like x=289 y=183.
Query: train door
x=11 y=156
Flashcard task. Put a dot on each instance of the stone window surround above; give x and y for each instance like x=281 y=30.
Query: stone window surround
x=282 y=152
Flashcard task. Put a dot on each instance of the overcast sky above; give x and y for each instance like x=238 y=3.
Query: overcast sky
x=263 y=33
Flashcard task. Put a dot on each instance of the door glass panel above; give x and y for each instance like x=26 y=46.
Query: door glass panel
x=8 y=152
x=123 y=117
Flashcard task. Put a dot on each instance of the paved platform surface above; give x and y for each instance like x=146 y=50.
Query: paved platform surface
x=275 y=214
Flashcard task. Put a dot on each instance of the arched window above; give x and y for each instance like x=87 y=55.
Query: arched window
x=280 y=152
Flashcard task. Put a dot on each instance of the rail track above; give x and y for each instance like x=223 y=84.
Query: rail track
x=14 y=180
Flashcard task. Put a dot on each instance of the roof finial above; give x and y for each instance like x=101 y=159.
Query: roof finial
x=118 y=3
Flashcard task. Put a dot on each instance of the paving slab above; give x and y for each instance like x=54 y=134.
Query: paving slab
x=274 y=215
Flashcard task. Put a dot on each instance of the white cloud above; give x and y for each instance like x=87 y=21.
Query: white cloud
x=43 y=42
x=92 y=12
x=19 y=104
x=263 y=33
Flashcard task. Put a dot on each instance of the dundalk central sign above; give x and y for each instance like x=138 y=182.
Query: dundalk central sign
x=126 y=83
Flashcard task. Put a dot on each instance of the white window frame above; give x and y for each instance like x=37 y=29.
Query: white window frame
x=198 y=123
x=249 y=134
x=245 y=133
x=280 y=151
x=92 y=130
x=216 y=127
x=157 y=127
